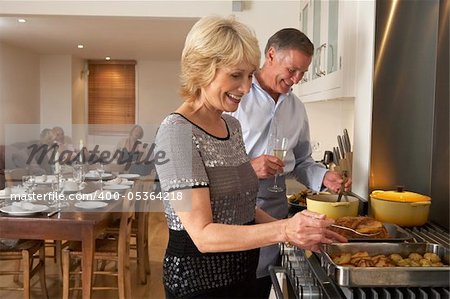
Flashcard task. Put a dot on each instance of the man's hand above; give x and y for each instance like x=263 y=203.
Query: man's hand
x=333 y=180
x=266 y=166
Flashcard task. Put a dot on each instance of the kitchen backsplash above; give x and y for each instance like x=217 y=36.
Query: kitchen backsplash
x=327 y=119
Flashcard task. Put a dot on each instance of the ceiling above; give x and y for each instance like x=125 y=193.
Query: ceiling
x=139 y=38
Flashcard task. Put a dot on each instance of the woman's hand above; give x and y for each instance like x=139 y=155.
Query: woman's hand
x=266 y=166
x=308 y=230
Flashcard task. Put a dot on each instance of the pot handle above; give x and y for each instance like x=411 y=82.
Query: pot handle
x=339 y=204
x=420 y=203
x=377 y=191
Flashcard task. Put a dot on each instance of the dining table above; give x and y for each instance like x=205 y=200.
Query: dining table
x=70 y=223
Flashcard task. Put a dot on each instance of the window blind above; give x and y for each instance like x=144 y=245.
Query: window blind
x=111 y=96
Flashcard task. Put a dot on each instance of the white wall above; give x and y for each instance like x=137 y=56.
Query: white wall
x=158 y=90
x=56 y=90
x=363 y=102
x=327 y=119
x=267 y=17
x=19 y=88
x=79 y=103
x=157 y=8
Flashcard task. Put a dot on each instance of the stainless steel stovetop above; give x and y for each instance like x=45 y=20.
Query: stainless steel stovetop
x=307 y=279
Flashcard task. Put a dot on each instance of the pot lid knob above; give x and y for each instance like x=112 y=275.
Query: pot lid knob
x=400 y=188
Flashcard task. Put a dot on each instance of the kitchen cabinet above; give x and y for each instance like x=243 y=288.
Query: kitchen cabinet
x=332 y=26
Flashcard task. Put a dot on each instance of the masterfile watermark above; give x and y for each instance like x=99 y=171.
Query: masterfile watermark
x=41 y=152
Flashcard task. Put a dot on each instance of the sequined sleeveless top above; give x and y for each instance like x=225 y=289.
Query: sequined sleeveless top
x=196 y=159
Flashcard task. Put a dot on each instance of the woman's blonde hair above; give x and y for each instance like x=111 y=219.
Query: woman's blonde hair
x=138 y=127
x=47 y=136
x=213 y=43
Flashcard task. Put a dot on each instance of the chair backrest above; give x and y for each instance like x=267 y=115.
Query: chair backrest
x=126 y=218
x=114 y=167
x=145 y=184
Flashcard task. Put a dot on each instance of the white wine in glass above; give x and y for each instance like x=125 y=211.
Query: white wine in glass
x=279 y=150
x=280 y=153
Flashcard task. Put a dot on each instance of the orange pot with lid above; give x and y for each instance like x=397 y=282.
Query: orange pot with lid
x=401 y=207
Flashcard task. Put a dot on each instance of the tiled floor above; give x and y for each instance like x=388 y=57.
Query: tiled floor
x=153 y=288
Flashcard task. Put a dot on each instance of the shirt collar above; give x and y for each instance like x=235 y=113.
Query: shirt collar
x=282 y=97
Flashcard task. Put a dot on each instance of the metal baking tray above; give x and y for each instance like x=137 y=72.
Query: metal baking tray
x=389 y=276
x=396 y=234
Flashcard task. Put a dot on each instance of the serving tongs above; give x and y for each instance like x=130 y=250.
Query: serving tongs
x=342 y=189
x=355 y=231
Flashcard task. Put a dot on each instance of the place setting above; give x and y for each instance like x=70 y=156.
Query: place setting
x=44 y=179
x=118 y=184
x=95 y=175
x=129 y=176
x=71 y=186
x=90 y=205
x=16 y=191
x=95 y=200
x=23 y=209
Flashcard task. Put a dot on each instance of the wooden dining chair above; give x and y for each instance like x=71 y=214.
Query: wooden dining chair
x=116 y=250
x=56 y=247
x=139 y=227
x=24 y=251
x=145 y=184
x=114 y=168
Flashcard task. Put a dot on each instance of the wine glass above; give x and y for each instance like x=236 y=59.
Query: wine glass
x=57 y=187
x=28 y=182
x=279 y=150
x=100 y=170
x=78 y=175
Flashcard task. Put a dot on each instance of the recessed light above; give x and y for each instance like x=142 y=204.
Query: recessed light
x=21 y=20
x=80 y=46
x=108 y=58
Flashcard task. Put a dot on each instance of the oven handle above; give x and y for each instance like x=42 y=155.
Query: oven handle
x=273 y=270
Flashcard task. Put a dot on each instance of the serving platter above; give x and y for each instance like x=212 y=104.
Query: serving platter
x=349 y=276
x=396 y=234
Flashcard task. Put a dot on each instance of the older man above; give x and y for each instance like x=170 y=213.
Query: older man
x=271 y=108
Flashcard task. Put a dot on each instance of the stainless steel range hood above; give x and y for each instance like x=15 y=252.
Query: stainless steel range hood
x=410 y=113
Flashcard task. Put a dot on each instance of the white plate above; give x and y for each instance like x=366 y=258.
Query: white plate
x=119 y=181
x=18 y=190
x=94 y=176
x=129 y=176
x=3 y=195
x=89 y=205
x=17 y=211
x=116 y=187
x=48 y=179
x=73 y=191
x=13 y=196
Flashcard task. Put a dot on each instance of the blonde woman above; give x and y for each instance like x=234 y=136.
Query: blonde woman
x=134 y=153
x=132 y=143
x=215 y=229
